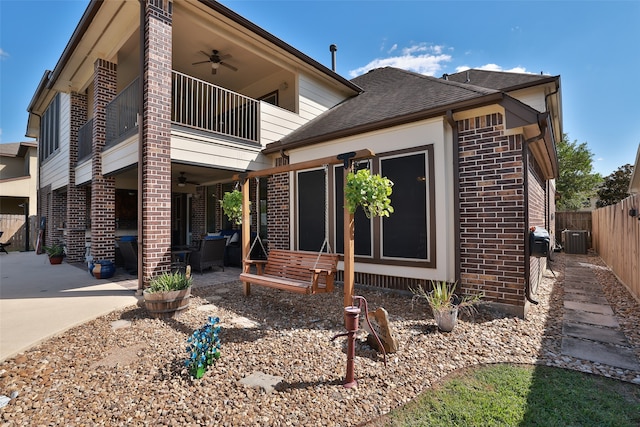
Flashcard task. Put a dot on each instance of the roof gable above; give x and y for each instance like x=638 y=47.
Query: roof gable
x=499 y=80
x=390 y=96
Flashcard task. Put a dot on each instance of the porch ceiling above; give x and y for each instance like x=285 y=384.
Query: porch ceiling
x=194 y=174
x=196 y=32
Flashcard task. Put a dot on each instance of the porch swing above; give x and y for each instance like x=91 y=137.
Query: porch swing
x=301 y=272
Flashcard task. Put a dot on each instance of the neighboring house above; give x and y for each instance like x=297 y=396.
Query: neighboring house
x=18 y=193
x=473 y=162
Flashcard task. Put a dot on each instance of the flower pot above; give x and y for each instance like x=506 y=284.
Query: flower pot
x=446 y=319
x=166 y=304
x=56 y=259
x=103 y=269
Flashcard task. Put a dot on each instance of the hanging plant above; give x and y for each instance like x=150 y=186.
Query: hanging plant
x=369 y=191
x=232 y=206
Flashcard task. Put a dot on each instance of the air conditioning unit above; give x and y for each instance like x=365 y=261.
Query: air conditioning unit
x=575 y=241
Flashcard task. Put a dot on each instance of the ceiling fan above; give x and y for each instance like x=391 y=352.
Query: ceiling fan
x=182 y=180
x=216 y=61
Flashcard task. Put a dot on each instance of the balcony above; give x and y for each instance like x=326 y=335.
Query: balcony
x=206 y=107
x=85 y=138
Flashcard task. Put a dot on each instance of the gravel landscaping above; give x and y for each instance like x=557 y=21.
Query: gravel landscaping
x=128 y=369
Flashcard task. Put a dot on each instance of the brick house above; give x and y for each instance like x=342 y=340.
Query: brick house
x=141 y=132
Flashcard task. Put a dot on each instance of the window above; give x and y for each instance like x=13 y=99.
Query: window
x=49 y=125
x=407 y=237
x=405 y=232
x=271 y=98
x=311 y=209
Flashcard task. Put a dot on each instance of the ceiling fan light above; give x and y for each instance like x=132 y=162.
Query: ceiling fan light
x=181 y=184
x=215 y=65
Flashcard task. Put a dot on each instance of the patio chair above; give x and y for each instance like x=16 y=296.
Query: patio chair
x=4 y=245
x=128 y=249
x=209 y=253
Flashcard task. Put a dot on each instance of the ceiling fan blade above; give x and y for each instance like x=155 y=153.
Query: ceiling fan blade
x=205 y=53
x=231 y=67
x=201 y=62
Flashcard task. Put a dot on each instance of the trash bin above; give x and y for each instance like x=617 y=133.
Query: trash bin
x=575 y=241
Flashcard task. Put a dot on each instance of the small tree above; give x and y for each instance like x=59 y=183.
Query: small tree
x=577 y=181
x=615 y=186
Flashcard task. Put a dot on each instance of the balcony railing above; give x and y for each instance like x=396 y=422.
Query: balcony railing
x=122 y=114
x=201 y=105
x=85 y=139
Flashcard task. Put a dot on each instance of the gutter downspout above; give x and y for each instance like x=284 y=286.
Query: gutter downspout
x=140 y=152
x=527 y=254
x=456 y=194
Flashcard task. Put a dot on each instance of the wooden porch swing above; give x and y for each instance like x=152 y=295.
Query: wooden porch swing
x=300 y=271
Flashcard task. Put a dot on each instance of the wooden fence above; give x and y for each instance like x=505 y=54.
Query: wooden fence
x=574 y=221
x=13 y=228
x=616 y=238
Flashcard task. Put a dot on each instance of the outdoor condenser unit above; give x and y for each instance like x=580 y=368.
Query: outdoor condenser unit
x=575 y=241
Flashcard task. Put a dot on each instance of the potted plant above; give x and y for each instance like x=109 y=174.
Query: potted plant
x=369 y=191
x=444 y=303
x=168 y=294
x=232 y=206
x=55 y=253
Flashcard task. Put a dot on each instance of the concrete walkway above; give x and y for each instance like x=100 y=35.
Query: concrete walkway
x=590 y=330
x=39 y=300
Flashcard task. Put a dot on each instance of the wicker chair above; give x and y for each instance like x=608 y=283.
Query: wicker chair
x=210 y=253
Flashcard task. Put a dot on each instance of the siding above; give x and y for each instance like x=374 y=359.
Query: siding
x=315 y=98
x=55 y=170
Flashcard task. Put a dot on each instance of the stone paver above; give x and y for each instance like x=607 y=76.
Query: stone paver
x=590 y=328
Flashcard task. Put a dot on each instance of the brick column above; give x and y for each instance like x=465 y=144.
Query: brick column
x=57 y=217
x=76 y=197
x=278 y=228
x=156 y=140
x=103 y=190
x=492 y=212
x=198 y=210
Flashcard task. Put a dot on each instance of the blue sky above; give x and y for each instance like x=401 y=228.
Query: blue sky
x=592 y=45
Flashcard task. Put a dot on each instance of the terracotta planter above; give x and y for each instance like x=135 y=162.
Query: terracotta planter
x=166 y=304
x=56 y=259
x=446 y=319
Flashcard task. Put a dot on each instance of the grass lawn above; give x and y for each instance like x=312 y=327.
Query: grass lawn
x=508 y=395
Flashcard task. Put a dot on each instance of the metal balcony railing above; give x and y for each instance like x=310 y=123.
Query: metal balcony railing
x=85 y=139
x=122 y=113
x=204 y=106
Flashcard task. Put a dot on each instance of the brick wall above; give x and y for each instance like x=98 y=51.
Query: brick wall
x=156 y=142
x=537 y=218
x=491 y=211
x=278 y=226
x=76 y=197
x=103 y=189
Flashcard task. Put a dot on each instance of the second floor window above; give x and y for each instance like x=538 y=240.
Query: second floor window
x=49 y=129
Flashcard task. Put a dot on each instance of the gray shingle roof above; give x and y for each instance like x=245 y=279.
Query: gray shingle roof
x=499 y=80
x=389 y=94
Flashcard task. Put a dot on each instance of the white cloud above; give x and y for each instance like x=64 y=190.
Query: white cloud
x=494 y=67
x=394 y=47
x=420 y=58
x=3 y=53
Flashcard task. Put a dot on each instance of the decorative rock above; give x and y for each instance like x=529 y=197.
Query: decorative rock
x=261 y=380
x=380 y=322
x=207 y=308
x=4 y=401
x=120 y=324
x=243 y=322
